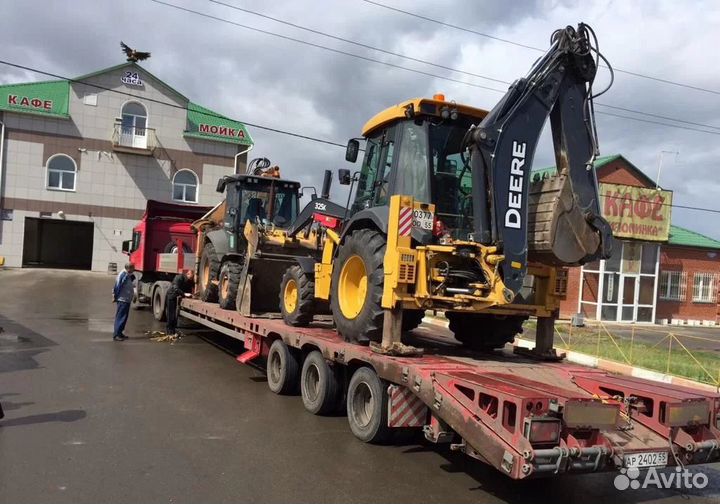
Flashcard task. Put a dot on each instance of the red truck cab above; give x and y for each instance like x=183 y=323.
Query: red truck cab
x=162 y=244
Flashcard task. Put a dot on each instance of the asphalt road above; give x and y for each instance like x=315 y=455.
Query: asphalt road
x=90 y=420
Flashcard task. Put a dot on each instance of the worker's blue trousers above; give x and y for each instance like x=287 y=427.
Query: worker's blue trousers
x=121 y=316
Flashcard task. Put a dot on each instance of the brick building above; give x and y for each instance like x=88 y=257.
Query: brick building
x=79 y=159
x=659 y=272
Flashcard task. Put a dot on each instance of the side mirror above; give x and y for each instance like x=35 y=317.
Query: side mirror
x=221 y=185
x=352 y=149
x=344 y=176
x=126 y=245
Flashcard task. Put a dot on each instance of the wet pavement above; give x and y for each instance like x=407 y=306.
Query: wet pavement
x=91 y=420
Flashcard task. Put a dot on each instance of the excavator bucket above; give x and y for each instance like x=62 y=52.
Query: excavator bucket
x=558 y=231
x=259 y=289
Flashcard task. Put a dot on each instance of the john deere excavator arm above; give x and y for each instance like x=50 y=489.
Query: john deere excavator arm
x=567 y=227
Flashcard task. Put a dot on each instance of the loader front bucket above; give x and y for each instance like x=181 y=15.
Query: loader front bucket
x=560 y=230
x=259 y=289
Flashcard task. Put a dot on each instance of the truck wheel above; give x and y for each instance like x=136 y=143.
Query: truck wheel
x=412 y=319
x=357 y=287
x=320 y=386
x=158 y=304
x=485 y=332
x=209 y=270
x=282 y=369
x=228 y=286
x=172 y=248
x=367 y=407
x=297 y=297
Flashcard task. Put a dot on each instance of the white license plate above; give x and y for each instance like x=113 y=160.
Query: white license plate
x=423 y=219
x=646 y=459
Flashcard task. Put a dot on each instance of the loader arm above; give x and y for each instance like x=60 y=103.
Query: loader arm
x=502 y=148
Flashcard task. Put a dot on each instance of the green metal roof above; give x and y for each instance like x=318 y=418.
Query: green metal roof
x=45 y=98
x=684 y=237
x=52 y=98
x=549 y=171
x=208 y=125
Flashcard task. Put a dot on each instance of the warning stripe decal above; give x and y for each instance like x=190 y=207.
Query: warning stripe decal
x=405 y=408
x=405 y=221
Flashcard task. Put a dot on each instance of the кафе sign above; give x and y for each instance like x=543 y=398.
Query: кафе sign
x=636 y=212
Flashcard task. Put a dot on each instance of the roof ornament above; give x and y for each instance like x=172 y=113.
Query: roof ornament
x=133 y=55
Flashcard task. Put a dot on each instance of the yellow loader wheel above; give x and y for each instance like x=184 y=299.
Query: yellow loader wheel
x=297 y=297
x=209 y=270
x=230 y=272
x=357 y=286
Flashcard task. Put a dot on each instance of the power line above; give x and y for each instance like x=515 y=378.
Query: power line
x=518 y=44
x=319 y=46
x=275 y=130
x=437 y=65
x=392 y=65
x=169 y=104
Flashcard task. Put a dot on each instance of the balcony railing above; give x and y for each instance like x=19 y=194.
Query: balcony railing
x=132 y=139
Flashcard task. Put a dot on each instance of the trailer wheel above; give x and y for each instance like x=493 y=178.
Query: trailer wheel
x=367 y=407
x=228 y=285
x=320 y=386
x=209 y=269
x=412 y=319
x=485 y=332
x=357 y=286
x=297 y=297
x=282 y=369
x=158 y=304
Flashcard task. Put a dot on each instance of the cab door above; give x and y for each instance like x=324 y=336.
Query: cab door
x=375 y=183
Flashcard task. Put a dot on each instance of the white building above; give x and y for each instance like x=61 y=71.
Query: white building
x=80 y=159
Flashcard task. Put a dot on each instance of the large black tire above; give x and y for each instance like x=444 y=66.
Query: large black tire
x=412 y=319
x=320 y=385
x=367 y=407
x=209 y=271
x=283 y=369
x=171 y=248
x=485 y=332
x=297 y=296
x=158 y=304
x=230 y=273
x=359 y=318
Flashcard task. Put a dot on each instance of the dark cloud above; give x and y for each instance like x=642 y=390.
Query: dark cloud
x=265 y=80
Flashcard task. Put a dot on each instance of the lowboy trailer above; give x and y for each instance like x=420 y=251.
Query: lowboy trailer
x=523 y=417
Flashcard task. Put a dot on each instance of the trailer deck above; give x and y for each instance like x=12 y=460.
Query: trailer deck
x=523 y=417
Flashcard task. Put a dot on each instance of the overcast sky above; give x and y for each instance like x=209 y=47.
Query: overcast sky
x=266 y=80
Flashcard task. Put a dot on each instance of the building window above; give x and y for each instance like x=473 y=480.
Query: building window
x=133 y=129
x=673 y=285
x=705 y=288
x=61 y=170
x=185 y=186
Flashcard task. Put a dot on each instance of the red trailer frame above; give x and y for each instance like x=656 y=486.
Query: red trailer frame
x=523 y=417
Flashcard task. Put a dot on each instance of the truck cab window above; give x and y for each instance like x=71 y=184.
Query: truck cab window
x=137 y=235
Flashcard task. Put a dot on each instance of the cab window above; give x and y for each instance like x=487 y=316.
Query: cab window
x=412 y=170
x=135 y=241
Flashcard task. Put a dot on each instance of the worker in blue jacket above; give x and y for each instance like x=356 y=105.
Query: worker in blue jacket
x=123 y=293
